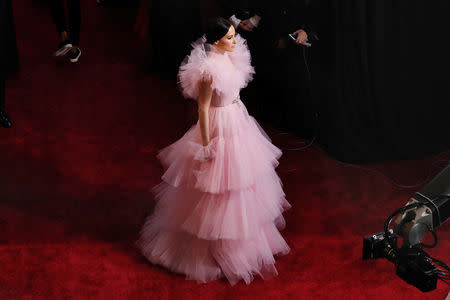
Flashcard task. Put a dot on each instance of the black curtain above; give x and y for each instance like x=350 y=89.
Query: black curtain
x=381 y=78
x=174 y=25
x=9 y=61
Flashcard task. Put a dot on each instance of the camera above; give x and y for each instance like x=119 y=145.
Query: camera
x=427 y=210
x=412 y=265
x=377 y=246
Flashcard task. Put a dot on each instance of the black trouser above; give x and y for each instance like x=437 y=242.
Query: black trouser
x=286 y=91
x=59 y=18
x=249 y=95
x=2 y=93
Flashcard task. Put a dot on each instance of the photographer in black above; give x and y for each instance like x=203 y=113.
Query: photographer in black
x=283 y=77
x=8 y=55
x=245 y=17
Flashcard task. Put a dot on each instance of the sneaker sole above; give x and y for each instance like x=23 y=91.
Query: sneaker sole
x=63 y=51
x=74 y=60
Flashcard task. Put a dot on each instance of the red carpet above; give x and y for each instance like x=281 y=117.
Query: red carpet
x=77 y=167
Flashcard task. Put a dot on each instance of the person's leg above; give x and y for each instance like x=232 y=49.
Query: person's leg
x=274 y=88
x=74 y=9
x=59 y=18
x=4 y=119
x=299 y=112
x=58 y=15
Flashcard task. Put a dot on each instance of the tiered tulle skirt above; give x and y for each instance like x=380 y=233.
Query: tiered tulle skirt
x=218 y=217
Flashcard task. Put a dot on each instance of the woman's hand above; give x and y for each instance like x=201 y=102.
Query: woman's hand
x=207 y=153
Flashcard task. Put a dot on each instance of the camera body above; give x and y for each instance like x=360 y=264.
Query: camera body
x=415 y=268
x=411 y=263
x=243 y=14
x=377 y=246
x=426 y=211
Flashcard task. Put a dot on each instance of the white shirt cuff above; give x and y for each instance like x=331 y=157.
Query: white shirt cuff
x=255 y=20
x=235 y=21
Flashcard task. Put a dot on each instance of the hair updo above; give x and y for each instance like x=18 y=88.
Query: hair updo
x=216 y=29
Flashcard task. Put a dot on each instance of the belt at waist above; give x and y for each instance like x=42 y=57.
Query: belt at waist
x=237 y=100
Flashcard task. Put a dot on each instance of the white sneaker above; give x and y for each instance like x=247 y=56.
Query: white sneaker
x=73 y=57
x=63 y=48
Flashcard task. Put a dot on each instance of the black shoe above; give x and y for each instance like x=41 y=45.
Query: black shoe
x=4 y=120
x=63 y=48
x=74 y=56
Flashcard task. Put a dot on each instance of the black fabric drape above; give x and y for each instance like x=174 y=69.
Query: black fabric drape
x=383 y=82
x=175 y=24
x=9 y=62
x=282 y=78
x=242 y=9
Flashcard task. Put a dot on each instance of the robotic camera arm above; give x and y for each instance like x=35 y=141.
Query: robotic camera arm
x=433 y=209
x=426 y=211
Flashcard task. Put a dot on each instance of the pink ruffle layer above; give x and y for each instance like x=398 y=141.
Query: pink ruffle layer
x=218 y=217
x=228 y=77
x=218 y=208
x=205 y=260
x=243 y=154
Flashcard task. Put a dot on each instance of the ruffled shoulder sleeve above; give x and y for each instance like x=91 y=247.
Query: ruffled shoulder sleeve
x=193 y=69
x=241 y=58
x=228 y=75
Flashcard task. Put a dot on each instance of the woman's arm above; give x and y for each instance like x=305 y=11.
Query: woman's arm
x=204 y=100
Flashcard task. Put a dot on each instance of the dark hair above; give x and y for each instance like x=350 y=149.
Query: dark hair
x=216 y=29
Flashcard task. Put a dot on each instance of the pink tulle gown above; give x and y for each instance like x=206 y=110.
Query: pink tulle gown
x=218 y=217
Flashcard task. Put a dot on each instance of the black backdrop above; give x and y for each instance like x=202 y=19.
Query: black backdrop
x=380 y=72
x=381 y=78
x=9 y=62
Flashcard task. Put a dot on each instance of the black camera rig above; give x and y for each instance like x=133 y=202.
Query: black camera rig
x=425 y=212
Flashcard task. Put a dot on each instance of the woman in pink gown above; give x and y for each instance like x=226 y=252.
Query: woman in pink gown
x=220 y=204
